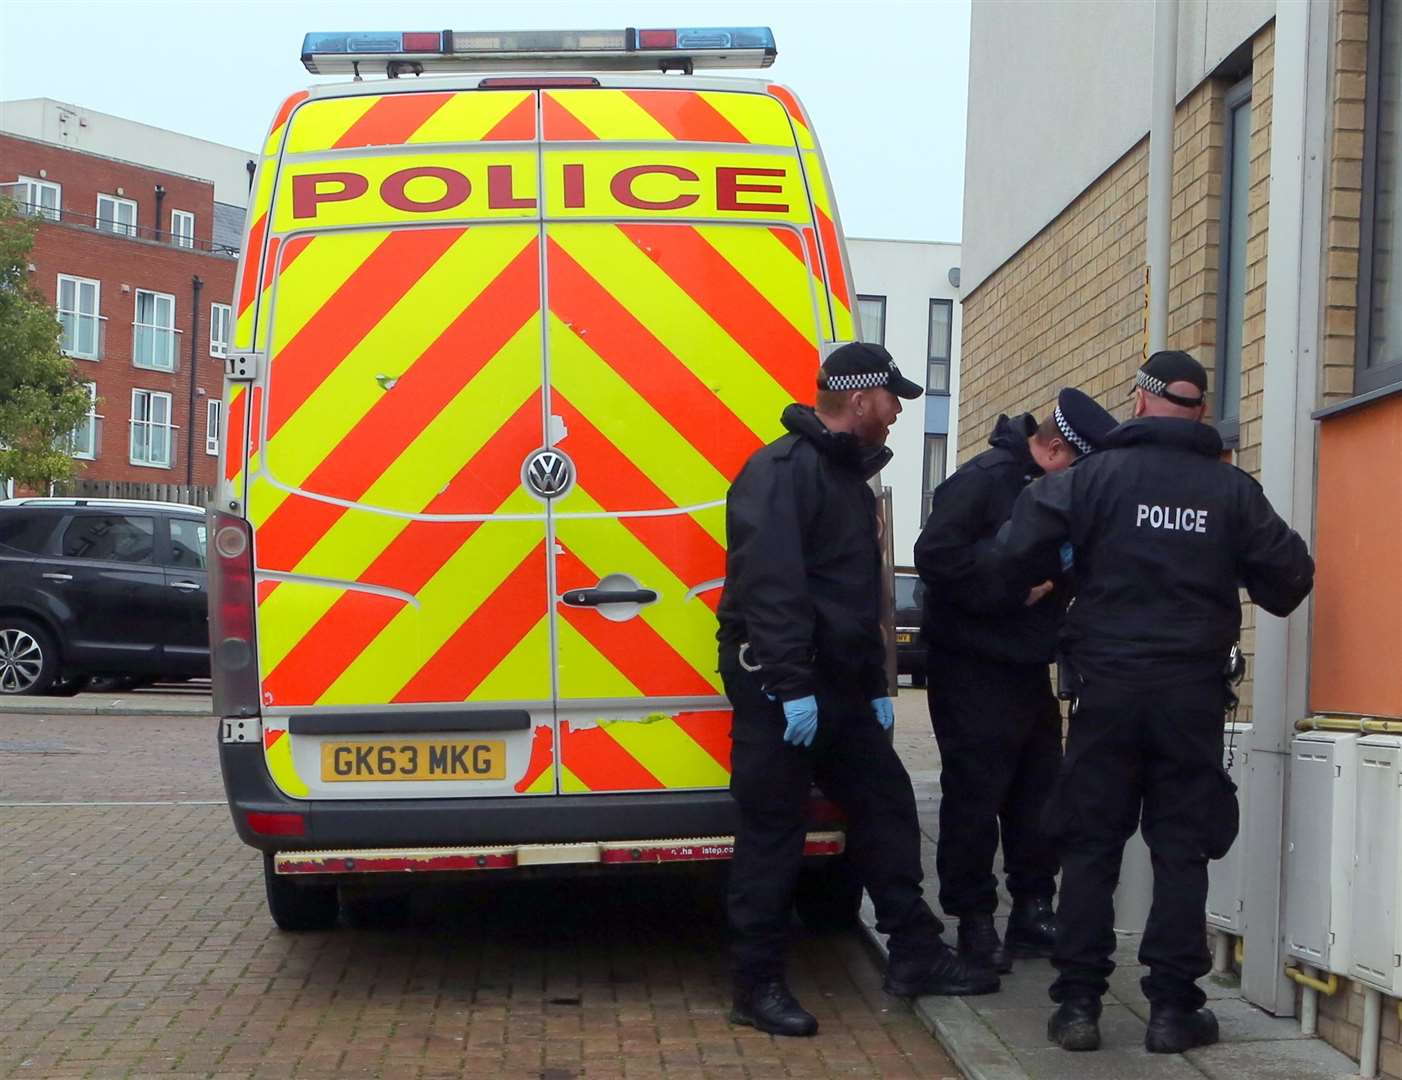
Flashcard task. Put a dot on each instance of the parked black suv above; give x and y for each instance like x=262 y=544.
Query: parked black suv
x=910 y=646
x=100 y=587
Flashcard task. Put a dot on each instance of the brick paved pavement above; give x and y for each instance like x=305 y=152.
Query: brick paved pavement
x=134 y=941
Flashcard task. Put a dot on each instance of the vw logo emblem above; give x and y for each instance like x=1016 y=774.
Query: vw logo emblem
x=549 y=473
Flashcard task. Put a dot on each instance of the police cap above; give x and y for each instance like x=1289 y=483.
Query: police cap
x=1081 y=420
x=1169 y=366
x=861 y=365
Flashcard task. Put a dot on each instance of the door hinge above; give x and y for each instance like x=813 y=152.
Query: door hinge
x=241 y=729
x=243 y=366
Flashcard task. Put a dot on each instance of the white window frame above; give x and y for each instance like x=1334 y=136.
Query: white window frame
x=35 y=207
x=116 y=225
x=219 y=346
x=213 y=423
x=90 y=453
x=95 y=314
x=182 y=228
x=148 y=399
x=155 y=328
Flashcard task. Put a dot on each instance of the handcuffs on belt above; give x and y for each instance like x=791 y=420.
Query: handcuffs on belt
x=744 y=650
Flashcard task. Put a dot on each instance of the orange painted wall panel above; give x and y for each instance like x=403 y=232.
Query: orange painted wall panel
x=1356 y=648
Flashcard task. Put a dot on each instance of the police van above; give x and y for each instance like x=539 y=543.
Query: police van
x=512 y=311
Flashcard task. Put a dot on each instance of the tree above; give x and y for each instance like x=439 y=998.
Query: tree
x=42 y=400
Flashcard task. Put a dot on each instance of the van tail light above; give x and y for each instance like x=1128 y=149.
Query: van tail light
x=233 y=656
x=273 y=824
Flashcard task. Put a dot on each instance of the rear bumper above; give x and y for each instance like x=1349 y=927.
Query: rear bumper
x=420 y=823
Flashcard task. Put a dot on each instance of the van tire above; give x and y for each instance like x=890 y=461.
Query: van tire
x=28 y=657
x=296 y=907
x=828 y=896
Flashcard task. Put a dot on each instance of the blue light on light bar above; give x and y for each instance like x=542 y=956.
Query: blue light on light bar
x=737 y=37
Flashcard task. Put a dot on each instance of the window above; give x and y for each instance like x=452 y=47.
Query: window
x=1231 y=298
x=27 y=530
x=187 y=543
x=153 y=345
x=110 y=538
x=221 y=318
x=78 y=314
x=213 y=411
x=150 y=428
x=182 y=228
x=116 y=215
x=85 y=437
x=1378 y=359
x=42 y=198
x=941 y=328
x=934 y=471
x=873 y=315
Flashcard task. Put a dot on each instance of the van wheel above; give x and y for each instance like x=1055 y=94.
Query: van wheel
x=828 y=896
x=28 y=657
x=298 y=907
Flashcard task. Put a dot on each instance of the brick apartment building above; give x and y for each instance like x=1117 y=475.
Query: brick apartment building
x=141 y=270
x=1283 y=265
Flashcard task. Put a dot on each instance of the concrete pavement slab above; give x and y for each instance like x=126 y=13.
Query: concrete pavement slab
x=1003 y=1036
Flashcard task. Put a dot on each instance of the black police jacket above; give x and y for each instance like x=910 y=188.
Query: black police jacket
x=968 y=609
x=1164 y=533
x=803 y=566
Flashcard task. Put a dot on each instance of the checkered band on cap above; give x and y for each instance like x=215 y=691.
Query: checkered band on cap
x=1145 y=381
x=865 y=381
x=1070 y=433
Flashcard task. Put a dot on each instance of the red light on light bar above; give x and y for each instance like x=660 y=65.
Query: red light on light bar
x=423 y=41
x=657 y=39
x=276 y=824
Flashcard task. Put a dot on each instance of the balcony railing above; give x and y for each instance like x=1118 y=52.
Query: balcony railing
x=84 y=334
x=112 y=227
x=153 y=346
x=150 y=443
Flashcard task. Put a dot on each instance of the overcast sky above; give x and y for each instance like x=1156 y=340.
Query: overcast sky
x=885 y=81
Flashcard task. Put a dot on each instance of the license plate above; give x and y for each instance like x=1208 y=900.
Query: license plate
x=903 y=639
x=414 y=759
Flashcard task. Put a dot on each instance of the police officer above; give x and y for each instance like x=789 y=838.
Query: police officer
x=1163 y=533
x=995 y=716
x=803 y=663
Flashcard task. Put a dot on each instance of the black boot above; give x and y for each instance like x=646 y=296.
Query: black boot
x=1173 y=1030
x=941 y=972
x=769 y=1006
x=1031 y=927
x=1076 y=1024
x=979 y=944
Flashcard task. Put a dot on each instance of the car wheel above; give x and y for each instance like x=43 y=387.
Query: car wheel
x=28 y=657
x=828 y=896
x=295 y=906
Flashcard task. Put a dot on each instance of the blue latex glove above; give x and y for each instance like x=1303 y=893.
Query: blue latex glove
x=885 y=710
x=802 y=715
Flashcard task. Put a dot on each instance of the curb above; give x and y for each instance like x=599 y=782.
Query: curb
x=114 y=707
x=969 y=1042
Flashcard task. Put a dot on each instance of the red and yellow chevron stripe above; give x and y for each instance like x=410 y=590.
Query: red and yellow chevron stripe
x=400 y=557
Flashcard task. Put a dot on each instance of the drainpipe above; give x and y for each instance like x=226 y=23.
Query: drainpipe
x=1372 y=1029
x=160 y=198
x=195 y=285
x=1161 y=167
x=1135 y=892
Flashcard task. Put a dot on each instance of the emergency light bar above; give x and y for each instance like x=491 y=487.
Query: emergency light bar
x=415 y=52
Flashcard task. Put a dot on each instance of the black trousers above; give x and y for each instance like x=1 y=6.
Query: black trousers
x=998 y=727
x=854 y=764
x=1157 y=752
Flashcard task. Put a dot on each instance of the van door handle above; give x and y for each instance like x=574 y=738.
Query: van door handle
x=57 y=577
x=595 y=597
x=184 y=586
